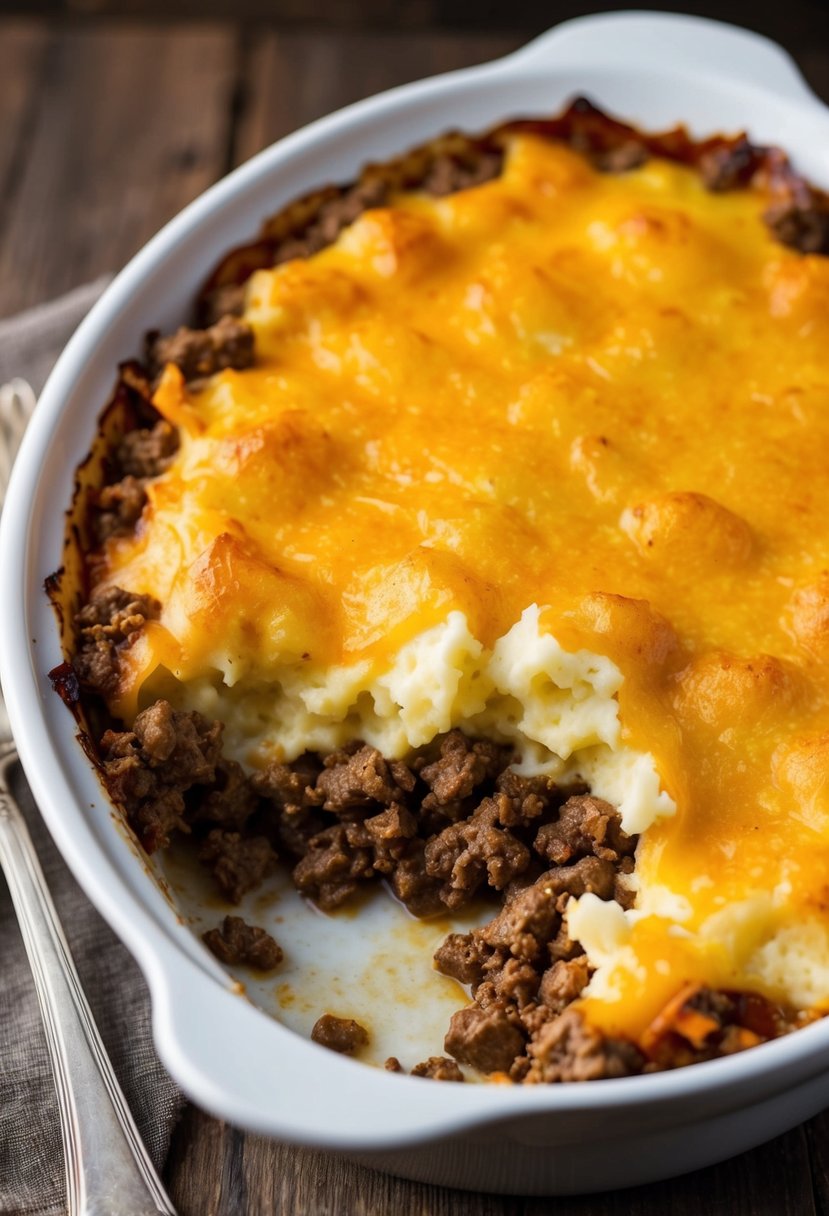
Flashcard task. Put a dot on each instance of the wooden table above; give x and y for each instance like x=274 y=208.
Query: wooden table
x=107 y=128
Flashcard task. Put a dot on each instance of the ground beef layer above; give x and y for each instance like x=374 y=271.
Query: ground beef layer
x=453 y=823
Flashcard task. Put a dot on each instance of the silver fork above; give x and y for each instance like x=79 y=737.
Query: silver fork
x=108 y=1171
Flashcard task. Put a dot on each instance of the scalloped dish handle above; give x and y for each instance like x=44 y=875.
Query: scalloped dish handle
x=692 y=42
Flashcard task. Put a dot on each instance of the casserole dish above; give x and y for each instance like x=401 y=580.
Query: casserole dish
x=261 y=1077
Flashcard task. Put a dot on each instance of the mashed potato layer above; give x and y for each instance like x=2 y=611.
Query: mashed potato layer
x=602 y=394
x=559 y=709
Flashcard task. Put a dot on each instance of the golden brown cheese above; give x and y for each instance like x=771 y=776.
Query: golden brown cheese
x=604 y=394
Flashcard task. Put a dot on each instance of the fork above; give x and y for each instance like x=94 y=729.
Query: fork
x=108 y=1170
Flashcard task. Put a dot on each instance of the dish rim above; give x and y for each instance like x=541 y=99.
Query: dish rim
x=180 y=979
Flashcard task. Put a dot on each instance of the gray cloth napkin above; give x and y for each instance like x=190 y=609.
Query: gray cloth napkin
x=31 y=342
x=31 y=1155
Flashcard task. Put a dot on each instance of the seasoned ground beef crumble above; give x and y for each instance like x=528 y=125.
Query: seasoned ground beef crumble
x=438 y=1068
x=236 y=943
x=454 y=821
x=339 y=1034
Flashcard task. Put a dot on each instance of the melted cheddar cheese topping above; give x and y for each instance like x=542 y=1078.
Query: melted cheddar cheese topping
x=607 y=396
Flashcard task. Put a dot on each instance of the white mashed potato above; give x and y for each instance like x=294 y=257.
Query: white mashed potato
x=558 y=708
x=753 y=945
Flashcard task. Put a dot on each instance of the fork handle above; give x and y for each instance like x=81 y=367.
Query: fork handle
x=108 y=1170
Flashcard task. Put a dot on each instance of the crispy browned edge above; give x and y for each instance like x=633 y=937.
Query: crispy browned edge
x=581 y=125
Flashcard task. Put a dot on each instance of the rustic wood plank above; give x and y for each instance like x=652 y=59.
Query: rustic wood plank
x=339 y=13
x=212 y=1170
x=292 y=78
x=814 y=64
x=799 y=23
x=817 y=1137
x=22 y=48
x=773 y=1180
x=289 y=78
x=121 y=127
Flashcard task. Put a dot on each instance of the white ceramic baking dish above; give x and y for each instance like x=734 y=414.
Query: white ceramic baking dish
x=230 y=1057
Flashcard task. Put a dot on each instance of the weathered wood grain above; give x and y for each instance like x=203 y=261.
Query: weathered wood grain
x=814 y=64
x=22 y=49
x=116 y=130
x=773 y=1180
x=817 y=1136
x=797 y=24
x=291 y=78
x=260 y=1178
x=215 y=1171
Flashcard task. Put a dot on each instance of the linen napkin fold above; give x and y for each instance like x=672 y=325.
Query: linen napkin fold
x=31 y=1154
